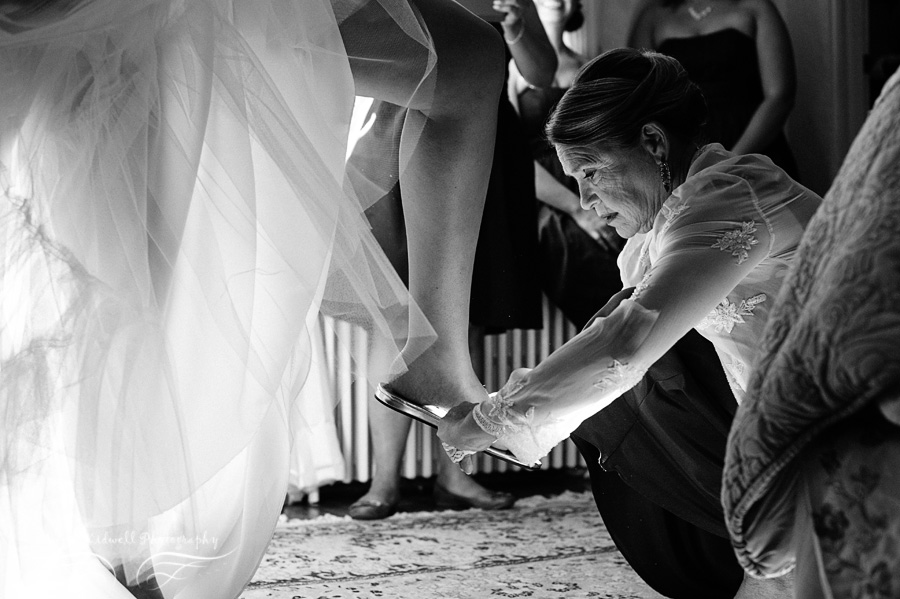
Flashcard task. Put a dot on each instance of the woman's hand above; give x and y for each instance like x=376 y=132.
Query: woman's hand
x=513 y=23
x=462 y=437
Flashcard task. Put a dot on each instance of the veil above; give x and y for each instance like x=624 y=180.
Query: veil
x=175 y=214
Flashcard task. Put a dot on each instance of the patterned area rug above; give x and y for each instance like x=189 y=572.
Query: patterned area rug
x=542 y=548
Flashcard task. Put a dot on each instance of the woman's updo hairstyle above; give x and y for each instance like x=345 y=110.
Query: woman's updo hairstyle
x=617 y=93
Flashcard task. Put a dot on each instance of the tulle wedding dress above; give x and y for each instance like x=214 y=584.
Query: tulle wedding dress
x=174 y=217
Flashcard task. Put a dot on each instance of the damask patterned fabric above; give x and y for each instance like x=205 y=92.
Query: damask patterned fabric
x=848 y=538
x=831 y=346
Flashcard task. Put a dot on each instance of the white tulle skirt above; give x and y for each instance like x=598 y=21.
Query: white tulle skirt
x=174 y=217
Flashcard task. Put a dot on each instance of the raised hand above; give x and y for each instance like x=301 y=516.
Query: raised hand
x=513 y=23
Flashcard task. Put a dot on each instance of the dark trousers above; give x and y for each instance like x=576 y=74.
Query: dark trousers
x=655 y=457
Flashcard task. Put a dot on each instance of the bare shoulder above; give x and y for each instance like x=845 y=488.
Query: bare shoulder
x=760 y=9
x=647 y=17
x=648 y=11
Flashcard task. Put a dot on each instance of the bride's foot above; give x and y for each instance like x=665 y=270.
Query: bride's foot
x=432 y=380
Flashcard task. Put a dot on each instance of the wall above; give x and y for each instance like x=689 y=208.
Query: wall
x=830 y=40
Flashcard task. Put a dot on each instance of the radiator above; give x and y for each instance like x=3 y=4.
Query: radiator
x=346 y=344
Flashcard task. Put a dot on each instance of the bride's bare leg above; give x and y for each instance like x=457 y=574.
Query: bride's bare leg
x=447 y=149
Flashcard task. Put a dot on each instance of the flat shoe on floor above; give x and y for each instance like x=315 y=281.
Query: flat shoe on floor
x=372 y=509
x=431 y=415
x=494 y=500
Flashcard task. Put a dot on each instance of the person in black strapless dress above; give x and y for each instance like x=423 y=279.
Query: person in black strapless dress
x=577 y=254
x=739 y=53
x=725 y=66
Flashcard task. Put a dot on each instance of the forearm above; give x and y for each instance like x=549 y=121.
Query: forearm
x=531 y=50
x=764 y=127
x=538 y=409
x=549 y=190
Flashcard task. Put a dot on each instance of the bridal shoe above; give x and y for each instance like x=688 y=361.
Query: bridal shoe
x=431 y=415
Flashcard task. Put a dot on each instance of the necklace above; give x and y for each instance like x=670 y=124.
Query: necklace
x=699 y=15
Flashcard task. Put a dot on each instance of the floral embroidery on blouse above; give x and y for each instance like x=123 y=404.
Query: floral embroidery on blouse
x=644 y=260
x=502 y=418
x=738 y=241
x=620 y=376
x=639 y=289
x=726 y=315
x=515 y=387
x=734 y=369
x=671 y=214
x=735 y=385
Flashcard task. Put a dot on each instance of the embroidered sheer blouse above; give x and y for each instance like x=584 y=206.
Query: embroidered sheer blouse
x=714 y=260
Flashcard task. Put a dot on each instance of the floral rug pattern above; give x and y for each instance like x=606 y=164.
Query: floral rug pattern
x=543 y=548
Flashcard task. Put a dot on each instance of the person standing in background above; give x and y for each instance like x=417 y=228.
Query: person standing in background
x=504 y=295
x=578 y=250
x=739 y=52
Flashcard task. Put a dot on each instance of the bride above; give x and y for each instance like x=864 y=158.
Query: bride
x=174 y=216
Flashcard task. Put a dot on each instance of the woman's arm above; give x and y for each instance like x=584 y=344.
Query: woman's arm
x=702 y=258
x=527 y=41
x=644 y=25
x=778 y=76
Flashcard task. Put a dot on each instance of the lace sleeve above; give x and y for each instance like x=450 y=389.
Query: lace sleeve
x=537 y=409
x=696 y=255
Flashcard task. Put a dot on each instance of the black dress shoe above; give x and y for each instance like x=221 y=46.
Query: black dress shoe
x=372 y=509
x=492 y=500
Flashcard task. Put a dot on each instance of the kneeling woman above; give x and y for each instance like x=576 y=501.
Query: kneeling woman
x=710 y=236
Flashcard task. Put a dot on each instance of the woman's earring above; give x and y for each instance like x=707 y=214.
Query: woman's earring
x=666 y=175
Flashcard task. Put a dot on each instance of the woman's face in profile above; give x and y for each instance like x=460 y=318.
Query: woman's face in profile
x=622 y=187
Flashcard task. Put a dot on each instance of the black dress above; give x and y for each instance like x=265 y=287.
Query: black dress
x=577 y=274
x=505 y=293
x=725 y=66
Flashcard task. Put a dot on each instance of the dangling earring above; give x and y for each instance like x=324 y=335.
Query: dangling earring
x=665 y=175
